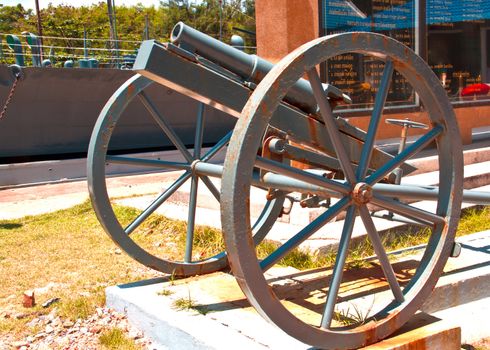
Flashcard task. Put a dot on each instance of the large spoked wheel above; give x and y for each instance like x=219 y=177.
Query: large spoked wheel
x=139 y=231
x=344 y=306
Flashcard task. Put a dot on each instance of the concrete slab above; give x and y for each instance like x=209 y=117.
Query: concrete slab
x=50 y=171
x=234 y=325
x=422 y=332
x=221 y=317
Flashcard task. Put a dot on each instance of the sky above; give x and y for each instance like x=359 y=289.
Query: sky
x=45 y=3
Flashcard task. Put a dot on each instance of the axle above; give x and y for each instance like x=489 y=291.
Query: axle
x=288 y=184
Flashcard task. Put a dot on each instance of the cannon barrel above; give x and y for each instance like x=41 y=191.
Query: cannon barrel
x=249 y=67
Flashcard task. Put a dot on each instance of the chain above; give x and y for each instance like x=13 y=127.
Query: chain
x=11 y=94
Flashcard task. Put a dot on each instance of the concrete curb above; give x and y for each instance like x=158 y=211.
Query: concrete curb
x=461 y=299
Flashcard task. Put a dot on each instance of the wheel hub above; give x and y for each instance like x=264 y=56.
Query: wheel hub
x=362 y=193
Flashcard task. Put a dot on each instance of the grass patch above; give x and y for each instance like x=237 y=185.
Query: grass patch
x=160 y=235
x=165 y=292
x=11 y=325
x=80 y=307
x=69 y=251
x=184 y=303
x=473 y=220
x=64 y=254
x=189 y=304
x=352 y=315
x=296 y=258
x=116 y=339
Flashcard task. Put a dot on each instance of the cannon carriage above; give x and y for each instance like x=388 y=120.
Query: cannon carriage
x=291 y=142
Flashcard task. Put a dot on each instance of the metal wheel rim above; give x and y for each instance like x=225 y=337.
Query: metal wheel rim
x=240 y=161
x=96 y=161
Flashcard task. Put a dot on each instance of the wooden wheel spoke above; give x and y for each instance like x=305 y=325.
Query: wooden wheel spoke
x=157 y=203
x=167 y=129
x=381 y=253
x=379 y=103
x=304 y=234
x=330 y=124
x=410 y=151
x=338 y=269
x=148 y=162
x=217 y=147
x=211 y=187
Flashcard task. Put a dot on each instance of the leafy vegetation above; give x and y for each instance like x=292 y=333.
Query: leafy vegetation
x=67 y=22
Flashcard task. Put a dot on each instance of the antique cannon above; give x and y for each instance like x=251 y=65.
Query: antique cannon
x=286 y=122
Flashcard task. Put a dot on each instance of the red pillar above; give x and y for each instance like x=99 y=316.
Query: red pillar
x=283 y=25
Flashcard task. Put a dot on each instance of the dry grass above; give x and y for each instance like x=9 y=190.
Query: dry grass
x=115 y=339
x=64 y=254
x=163 y=236
x=473 y=220
x=67 y=255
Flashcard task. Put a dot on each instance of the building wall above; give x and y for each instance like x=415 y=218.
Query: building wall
x=283 y=25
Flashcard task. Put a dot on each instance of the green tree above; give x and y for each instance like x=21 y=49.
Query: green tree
x=64 y=25
x=13 y=18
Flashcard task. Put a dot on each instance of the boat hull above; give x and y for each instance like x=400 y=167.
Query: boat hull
x=53 y=111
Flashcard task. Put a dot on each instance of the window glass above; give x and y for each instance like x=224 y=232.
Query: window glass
x=457 y=46
x=457 y=40
x=359 y=75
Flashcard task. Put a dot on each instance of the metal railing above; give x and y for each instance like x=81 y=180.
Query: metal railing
x=25 y=49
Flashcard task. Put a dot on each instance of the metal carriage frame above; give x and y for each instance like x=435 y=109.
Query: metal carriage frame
x=283 y=119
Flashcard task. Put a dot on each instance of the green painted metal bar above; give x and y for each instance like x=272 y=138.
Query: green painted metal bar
x=329 y=120
x=338 y=268
x=164 y=65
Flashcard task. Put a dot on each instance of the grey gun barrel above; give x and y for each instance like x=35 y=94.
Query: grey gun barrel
x=249 y=67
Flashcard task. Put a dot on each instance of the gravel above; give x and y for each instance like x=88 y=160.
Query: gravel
x=51 y=332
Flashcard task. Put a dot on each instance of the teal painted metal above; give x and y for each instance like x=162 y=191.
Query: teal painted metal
x=177 y=69
x=33 y=43
x=14 y=44
x=251 y=68
x=51 y=55
x=83 y=63
x=57 y=110
x=354 y=193
x=225 y=78
x=124 y=236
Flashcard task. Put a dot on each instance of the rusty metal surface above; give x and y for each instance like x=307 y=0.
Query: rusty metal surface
x=161 y=64
x=101 y=152
x=240 y=161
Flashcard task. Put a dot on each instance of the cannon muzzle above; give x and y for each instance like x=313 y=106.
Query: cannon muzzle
x=251 y=68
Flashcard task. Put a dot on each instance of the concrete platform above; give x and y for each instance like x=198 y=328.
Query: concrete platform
x=222 y=318
x=423 y=331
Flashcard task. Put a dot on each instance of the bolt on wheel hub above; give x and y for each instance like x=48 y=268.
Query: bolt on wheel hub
x=362 y=193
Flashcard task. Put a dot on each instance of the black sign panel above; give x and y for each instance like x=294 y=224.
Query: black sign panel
x=359 y=75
